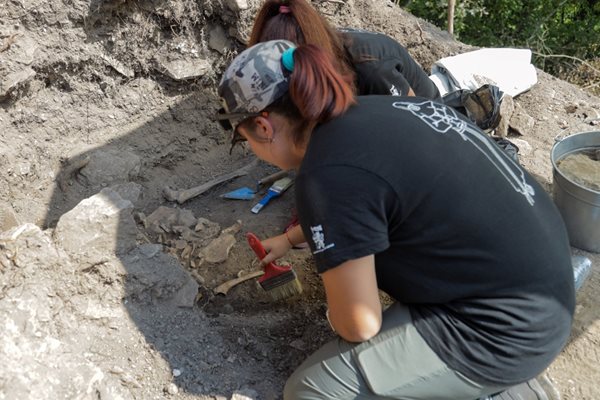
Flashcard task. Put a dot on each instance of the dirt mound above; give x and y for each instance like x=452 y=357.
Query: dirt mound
x=106 y=294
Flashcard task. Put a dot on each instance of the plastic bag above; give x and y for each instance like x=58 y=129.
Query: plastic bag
x=481 y=106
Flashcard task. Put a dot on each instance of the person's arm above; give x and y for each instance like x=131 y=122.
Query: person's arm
x=384 y=78
x=353 y=299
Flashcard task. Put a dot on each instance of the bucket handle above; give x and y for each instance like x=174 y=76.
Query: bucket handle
x=560 y=137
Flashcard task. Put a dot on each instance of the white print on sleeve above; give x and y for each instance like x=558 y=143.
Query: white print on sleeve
x=318 y=238
x=443 y=119
x=394 y=91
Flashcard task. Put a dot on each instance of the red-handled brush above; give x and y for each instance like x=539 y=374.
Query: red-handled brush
x=279 y=281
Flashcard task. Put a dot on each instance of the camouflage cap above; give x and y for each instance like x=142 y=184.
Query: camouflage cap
x=255 y=78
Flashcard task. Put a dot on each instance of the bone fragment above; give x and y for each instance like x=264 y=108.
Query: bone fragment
x=181 y=196
x=72 y=167
x=224 y=287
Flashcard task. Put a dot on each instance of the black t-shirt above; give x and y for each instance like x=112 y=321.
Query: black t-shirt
x=462 y=235
x=383 y=66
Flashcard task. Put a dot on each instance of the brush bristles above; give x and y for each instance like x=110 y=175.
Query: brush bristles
x=282 y=286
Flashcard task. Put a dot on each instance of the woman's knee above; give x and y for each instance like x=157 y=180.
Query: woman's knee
x=294 y=386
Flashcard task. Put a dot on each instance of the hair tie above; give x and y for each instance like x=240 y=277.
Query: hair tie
x=287 y=58
x=284 y=9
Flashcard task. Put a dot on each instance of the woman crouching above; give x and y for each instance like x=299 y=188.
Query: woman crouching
x=403 y=195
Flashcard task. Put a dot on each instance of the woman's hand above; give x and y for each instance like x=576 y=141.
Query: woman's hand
x=276 y=247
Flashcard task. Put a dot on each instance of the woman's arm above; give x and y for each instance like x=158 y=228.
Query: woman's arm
x=353 y=299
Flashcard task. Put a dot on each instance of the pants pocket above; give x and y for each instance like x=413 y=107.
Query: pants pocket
x=398 y=360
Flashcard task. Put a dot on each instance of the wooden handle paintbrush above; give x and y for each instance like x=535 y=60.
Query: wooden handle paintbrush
x=278 y=281
x=271 y=178
x=275 y=190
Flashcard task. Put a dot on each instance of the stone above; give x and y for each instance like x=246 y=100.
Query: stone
x=520 y=121
x=507 y=108
x=166 y=219
x=172 y=389
x=118 y=66
x=98 y=226
x=525 y=149
x=24 y=50
x=150 y=250
x=245 y=394
x=38 y=345
x=218 y=40
x=237 y=5
x=128 y=191
x=15 y=79
x=27 y=246
x=110 y=167
x=8 y=218
x=159 y=277
x=207 y=229
x=182 y=69
x=218 y=249
x=15 y=61
x=571 y=108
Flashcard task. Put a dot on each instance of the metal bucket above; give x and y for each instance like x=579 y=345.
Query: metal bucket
x=579 y=205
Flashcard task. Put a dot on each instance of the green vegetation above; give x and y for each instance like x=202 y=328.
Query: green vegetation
x=563 y=34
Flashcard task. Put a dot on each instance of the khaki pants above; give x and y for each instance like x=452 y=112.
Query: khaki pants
x=395 y=364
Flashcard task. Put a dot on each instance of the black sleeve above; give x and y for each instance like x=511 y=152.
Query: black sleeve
x=383 y=66
x=344 y=214
x=382 y=77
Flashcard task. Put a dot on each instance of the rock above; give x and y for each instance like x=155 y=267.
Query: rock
x=507 y=108
x=588 y=113
x=97 y=226
x=298 y=344
x=520 y=121
x=19 y=51
x=27 y=246
x=237 y=5
x=38 y=345
x=244 y=394
x=23 y=50
x=165 y=219
x=571 y=108
x=218 y=40
x=8 y=218
x=159 y=277
x=182 y=69
x=207 y=229
x=172 y=389
x=525 y=148
x=128 y=191
x=150 y=250
x=13 y=80
x=110 y=167
x=242 y=36
x=218 y=250
x=118 y=66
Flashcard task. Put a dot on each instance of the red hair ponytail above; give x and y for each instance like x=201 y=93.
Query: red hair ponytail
x=301 y=25
x=316 y=88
